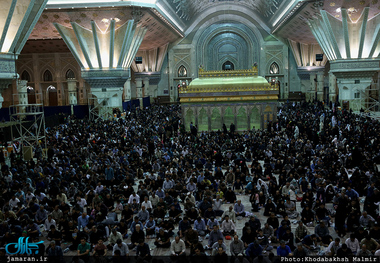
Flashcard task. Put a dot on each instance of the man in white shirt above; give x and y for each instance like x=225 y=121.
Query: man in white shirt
x=49 y=222
x=114 y=237
x=13 y=202
x=99 y=188
x=29 y=195
x=177 y=247
x=147 y=204
x=230 y=213
x=134 y=196
x=353 y=244
x=81 y=202
x=154 y=199
x=333 y=247
x=228 y=227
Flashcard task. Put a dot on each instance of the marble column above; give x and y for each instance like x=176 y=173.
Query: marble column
x=139 y=91
x=147 y=91
x=72 y=88
x=320 y=88
x=127 y=90
x=332 y=87
x=311 y=91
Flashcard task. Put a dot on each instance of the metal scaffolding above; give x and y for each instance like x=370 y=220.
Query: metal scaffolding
x=29 y=129
x=99 y=108
x=367 y=102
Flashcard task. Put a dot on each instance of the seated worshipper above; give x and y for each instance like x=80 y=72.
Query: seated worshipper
x=184 y=226
x=269 y=232
x=254 y=250
x=321 y=213
x=290 y=209
x=154 y=200
x=210 y=225
x=375 y=232
x=122 y=227
x=263 y=241
x=83 y=250
x=310 y=242
x=159 y=212
x=49 y=222
x=214 y=236
x=95 y=235
x=248 y=237
x=239 y=209
x=162 y=239
x=135 y=207
x=32 y=229
x=120 y=247
x=300 y=251
x=136 y=236
x=209 y=213
x=54 y=250
x=150 y=227
x=174 y=214
x=238 y=186
x=192 y=214
x=236 y=246
x=269 y=207
x=364 y=252
x=100 y=249
x=322 y=232
x=283 y=250
x=230 y=196
x=135 y=222
x=177 y=248
x=333 y=247
x=41 y=215
x=254 y=223
x=217 y=206
x=273 y=222
x=188 y=204
x=143 y=215
x=54 y=235
x=191 y=237
x=228 y=227
x=301 y=232
x=371 y=244
x=147 y=204
x=168 y=227
x=230 y=213
x=113 y=238
x=219 y=244
x=288 y=237
x=307 y=216
x=200 y=226
x=360 y=233
x=344 y=251
x=366 y=220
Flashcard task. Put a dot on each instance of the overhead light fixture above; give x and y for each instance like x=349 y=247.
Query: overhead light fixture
x=338 y=10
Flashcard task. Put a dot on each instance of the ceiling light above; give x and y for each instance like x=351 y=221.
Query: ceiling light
x=338 y=10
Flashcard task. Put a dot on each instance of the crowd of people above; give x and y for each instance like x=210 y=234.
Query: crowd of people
x=105 y=187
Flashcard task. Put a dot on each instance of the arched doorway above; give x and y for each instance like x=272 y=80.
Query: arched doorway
x=31 y=95
x=228 y=65
x=53 y=96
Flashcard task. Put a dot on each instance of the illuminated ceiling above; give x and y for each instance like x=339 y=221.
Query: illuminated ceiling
x=167 y=20
x=158 y=33
x=188 y=10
